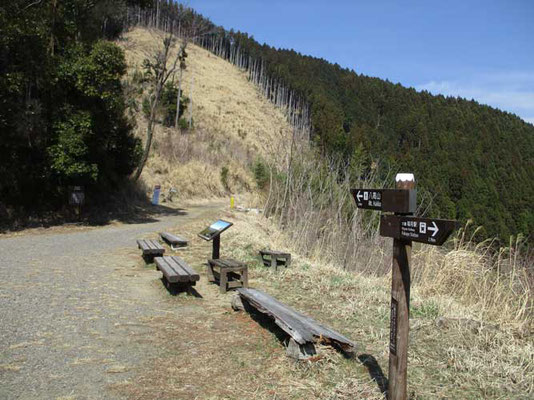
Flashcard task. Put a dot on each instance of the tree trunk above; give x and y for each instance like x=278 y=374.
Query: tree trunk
x=191 y=102
x=178 y=99
x=149 y=133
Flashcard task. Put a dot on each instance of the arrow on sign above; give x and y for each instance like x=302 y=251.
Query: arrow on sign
x=359 y=196
x=434 y=229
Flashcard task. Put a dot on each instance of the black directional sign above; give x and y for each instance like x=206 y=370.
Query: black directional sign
x=391 y=200
x=423 y=230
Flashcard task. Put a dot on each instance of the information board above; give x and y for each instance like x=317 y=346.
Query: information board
x=215 y=229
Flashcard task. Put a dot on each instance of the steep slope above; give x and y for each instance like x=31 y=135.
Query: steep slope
x=234 y=125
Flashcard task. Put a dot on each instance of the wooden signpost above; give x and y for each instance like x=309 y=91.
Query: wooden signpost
x=404 y=228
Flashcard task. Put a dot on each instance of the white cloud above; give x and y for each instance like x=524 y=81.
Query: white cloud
x=513 y=92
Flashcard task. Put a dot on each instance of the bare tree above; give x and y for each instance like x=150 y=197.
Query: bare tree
x=160 y=71
x=191 y=102
x=195 y=32
x=181 y=56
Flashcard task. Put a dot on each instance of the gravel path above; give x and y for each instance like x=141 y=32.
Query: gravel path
x=74 y=309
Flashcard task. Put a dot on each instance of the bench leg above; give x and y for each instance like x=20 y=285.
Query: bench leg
x=223 y=280
x=274 y=265
x=211 y=276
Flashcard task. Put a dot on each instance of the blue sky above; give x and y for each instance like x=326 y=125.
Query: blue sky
x=471 y=48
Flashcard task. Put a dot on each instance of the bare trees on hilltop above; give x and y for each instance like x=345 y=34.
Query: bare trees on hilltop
x=235 y=47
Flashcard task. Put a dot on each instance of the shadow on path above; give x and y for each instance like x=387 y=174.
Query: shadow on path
x=144 y=213
x=175 y=289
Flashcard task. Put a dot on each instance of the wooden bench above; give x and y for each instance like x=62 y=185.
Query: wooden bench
x=151 y=248
x=231 y=273
x=176 y=271
x=304 y=332
x=274 y=259
x=173 y=240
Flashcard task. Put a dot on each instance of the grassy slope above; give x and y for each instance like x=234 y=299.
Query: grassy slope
x=231 y=356
x=233 y=124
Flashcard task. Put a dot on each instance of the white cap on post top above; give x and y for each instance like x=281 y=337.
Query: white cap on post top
x=405 y=178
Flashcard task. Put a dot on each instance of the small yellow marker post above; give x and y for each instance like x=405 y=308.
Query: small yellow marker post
x=232 y=202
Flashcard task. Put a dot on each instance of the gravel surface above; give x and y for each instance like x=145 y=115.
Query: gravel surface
x=74 y=309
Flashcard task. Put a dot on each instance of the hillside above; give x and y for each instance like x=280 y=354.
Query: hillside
x=465 y=155
x=234 y=125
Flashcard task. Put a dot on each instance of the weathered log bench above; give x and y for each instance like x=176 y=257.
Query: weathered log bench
x=304 y=333
x=275 y=259
x=173 y=240
x=228 y=272
x=150 y=248
x=176 y=272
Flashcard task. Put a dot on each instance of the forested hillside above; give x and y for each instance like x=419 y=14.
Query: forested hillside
x=475 y=161
x=62 y=119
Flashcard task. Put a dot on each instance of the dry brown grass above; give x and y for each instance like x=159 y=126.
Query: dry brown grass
x=211 y=352
x=234 y=124
x=231 y=356
x=458 y=348
x=497 y=284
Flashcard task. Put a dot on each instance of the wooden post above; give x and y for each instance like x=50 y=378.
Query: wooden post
x=216 y=247
x=400 y=308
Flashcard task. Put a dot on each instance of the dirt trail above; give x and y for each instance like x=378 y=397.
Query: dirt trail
x=77 y=309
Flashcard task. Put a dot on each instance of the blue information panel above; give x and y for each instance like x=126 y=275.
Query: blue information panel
x=215 y=229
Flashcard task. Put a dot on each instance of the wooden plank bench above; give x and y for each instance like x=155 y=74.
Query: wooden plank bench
x=176 y=271
x=173 y=240
x=228 y=272
x=150 y=248
x=275 y=259
x=304 y=332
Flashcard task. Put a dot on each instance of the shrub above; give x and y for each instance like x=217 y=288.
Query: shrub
x=146 y=107
x=183 y=124
x=261 y=173
x=224 y=177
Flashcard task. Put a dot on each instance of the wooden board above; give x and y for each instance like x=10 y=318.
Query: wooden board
x=176 y=270
x=301 y=328
x=173 y=239
x=149 y=246
x=274 y=253
x=226 y=263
